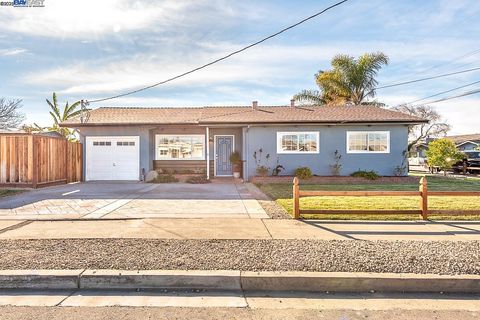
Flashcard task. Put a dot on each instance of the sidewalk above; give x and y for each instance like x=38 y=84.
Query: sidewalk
x=217 y=228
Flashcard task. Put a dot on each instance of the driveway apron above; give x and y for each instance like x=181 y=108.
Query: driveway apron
x=117 y=200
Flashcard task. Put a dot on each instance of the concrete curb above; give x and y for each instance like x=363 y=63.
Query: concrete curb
x=164 y=279
x=39 y=279
x=238 y=281
x=359 y=282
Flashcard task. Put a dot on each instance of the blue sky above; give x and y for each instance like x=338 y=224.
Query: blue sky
x=92 y=49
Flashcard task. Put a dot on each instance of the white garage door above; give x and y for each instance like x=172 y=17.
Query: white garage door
x=113 y=158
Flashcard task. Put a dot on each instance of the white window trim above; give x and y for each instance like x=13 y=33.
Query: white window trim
x=280 y=134
x=367 y=151
x=158 y=136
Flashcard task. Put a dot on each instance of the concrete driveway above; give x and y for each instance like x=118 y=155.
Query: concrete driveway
x=133 y=200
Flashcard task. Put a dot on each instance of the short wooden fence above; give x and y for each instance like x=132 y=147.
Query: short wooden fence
x=33 y=161
x=422 y=192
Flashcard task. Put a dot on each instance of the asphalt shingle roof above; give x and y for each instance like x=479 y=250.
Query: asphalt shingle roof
x=475 y=137
x=240 y=115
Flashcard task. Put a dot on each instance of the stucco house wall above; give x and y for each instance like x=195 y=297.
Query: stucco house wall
x=251 y=139
x=147 y=138
x=331 y=138
x=142 y=131
x=467 y=146
x=253 y=127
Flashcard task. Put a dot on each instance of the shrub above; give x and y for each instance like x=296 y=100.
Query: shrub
x=370 y=175
x=165 y=178
x=262 y=171
x=336 y=167
x=197 y=180
x=443 y=153
x=262 y=166
x=303 y=173
x=235 y=158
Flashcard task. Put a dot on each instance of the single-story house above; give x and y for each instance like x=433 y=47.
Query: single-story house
x=122 y=143
x=53 y=134
x=466 y=142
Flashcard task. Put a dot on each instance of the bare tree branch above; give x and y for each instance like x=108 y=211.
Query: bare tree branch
x=433 y=129
x=10 y=115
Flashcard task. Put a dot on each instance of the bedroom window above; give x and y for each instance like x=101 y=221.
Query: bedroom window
x=298 y=142
x=180 y=147
x=368 y=141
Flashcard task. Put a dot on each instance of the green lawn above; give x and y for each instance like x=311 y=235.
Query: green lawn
x=9 y=192
x=282 y=193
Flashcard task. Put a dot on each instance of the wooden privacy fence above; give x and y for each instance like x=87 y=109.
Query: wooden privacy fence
x=28 y=160
x=422 y=192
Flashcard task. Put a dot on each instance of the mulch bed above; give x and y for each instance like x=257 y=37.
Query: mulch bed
x=336 y=180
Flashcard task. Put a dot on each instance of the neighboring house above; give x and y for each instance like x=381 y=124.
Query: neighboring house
x=419 y=150
x=121 y=143
x=53 y=134
x=466 y=142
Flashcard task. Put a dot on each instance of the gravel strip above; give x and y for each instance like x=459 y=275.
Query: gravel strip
x=442 y=257
x=274 y=210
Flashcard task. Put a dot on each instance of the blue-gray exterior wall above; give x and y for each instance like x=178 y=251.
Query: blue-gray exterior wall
x=237 y=134
x=141 y=131
x=468 y=146
x=147 y=138
x=248 y=140
x=331 y=138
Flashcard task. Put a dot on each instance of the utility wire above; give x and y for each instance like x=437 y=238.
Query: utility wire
x=425 y=79
x=455 y=97
x=463 y=56
x=222 y=58
x=443 y=92
x=466 y=55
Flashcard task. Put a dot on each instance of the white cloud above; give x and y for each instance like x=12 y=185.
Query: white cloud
x=12 y=51
x=265 y=65
x=93 y=18
x=92 y=77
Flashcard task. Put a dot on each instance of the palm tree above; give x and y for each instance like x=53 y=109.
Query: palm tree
x=62 y=115
x=350 y=81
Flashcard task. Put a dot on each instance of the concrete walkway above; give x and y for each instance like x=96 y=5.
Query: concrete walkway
x=217 y=228
x=134 y=200
x=253 y=300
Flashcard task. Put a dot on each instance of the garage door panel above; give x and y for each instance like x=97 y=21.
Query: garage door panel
x=113 y=158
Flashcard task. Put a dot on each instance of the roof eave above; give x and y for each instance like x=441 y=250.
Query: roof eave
x=79 y=125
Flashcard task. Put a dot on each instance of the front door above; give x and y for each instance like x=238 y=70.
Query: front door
x=223 y=149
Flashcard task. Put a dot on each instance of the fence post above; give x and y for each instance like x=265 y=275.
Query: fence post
x=424 y=197
x=35 y=163
x=296 y=199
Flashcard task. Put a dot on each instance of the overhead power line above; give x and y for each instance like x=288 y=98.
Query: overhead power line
x=461 y=57
x=427 y=78
x=443 y=92
x=222 y=58
x=468 y=93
